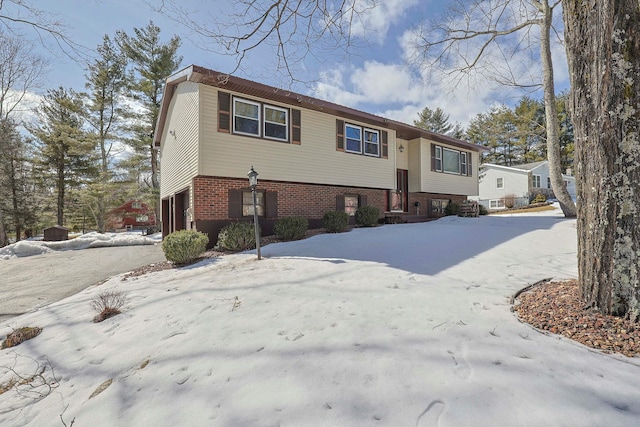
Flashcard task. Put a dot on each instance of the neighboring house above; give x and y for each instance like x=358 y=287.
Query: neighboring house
x=133 y=214
x=312 y=156
x=502 y=185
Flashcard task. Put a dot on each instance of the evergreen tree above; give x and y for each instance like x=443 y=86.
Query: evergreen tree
x=65 y=149
x=435 y=121
x=531 y=131
x=107 y=80
x=153 y=61
x=496 y=130
x=16 y=204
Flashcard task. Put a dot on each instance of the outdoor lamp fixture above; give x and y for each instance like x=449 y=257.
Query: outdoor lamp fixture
x=253 y=183
x=401 y=148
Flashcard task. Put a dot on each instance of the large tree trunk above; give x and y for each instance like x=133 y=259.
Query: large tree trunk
x=603 y=49
x=551 y=115
x=4 y=239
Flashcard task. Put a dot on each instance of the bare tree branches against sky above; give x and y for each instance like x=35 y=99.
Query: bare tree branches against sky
x=361 y=60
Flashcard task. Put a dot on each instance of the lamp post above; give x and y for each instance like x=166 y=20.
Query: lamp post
x=253 y=183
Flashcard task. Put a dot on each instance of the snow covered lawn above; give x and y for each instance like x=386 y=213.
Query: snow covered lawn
x=399 y=325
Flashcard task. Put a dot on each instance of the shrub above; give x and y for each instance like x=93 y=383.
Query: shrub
x=367 y=216
x=539 y=198
x=335 y=221
x=483 y=210
x=184 y=246
x=509 y=201
x=452 y=208
x=20 y=335
x=291 y=228
x=237 y=236
x=108 y=304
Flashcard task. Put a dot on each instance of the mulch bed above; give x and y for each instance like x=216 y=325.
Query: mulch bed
x=556 y=307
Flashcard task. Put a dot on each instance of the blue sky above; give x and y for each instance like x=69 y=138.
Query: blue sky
x=375 y=77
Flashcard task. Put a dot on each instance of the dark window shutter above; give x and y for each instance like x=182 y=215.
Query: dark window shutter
x=295 y=127
x=224 y=112
x=340 y=136
x=469 y=169
x=340 y=202
x=385 y=144
x=362 y=200
x=433 y=157
x=271 y=199
x=235 y=203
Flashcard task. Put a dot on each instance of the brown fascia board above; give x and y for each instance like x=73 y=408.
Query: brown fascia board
x=218 y=79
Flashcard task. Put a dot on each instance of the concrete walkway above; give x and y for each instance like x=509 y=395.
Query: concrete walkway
x=34 y=281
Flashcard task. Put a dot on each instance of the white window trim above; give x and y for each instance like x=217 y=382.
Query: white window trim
x=501 y=180
x=463 y=162
x=346 y=138
x=533 y=181
x=439 y=157
x=364 y=142
x=498 y=202
x=453 y=151
x=257 y=104
x=286 y=122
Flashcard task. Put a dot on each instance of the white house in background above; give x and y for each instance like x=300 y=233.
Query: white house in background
x=519 y=183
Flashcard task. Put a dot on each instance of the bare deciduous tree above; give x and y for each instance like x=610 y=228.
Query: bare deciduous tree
x=486 y=37
x=295 y=29
x=45 y=26
x=603 y=47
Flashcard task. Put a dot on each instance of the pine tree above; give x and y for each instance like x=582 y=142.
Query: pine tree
x=153 y=62
x=434 y=121
x=65 y=149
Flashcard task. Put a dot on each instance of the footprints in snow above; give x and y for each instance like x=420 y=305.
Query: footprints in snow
x=430 y=417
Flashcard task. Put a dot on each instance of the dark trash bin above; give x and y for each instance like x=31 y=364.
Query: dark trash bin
x=56 y=233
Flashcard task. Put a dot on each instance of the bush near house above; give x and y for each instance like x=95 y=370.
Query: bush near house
x=483 y=210
x=291 y=228
x=509 y=200
x=539 y=198
x=237 y=236
x=184 y=246
x=367 y=216
x=335 y=221
x=452 y=208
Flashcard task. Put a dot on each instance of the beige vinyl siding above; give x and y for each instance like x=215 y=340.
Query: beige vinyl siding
x=414 y=164
x=179 y=151
x=314 y=161
x=402 y=159
x=446 y=183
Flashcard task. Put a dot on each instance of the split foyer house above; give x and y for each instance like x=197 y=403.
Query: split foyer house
x=312 y=156
x=518 y=184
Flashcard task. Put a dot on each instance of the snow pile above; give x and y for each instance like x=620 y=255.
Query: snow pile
x=399 y=325
x=84 y=241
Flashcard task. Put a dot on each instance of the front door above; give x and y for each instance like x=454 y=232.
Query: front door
x=401 y=197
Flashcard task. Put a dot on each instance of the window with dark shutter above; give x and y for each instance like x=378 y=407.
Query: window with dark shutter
x=235 y=203
x=385 y=144
x=224 y=112
x=272 y=204
x=362 y=200
x=433 y=157
x=340 y=202
x=296 y=123
x=339 y=135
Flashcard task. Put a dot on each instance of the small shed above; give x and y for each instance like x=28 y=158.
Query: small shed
x=56 y=233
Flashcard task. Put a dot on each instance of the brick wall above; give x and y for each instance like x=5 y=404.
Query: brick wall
x=425 y=201
x=211 y=197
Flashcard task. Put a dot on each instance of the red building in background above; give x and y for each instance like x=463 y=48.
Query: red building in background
x=132 y=215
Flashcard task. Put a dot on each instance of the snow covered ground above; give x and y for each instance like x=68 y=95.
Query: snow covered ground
x=399 y=325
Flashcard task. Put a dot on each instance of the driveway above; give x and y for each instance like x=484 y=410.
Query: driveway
x=31 y=282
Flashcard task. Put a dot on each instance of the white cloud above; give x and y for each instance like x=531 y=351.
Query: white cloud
x=376 y=17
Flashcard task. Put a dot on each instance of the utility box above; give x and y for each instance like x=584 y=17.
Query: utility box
x=56 y=233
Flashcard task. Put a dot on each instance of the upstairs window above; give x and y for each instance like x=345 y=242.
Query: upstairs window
x=451 y=161
x=276 y=123
x=463 y=163
x=354 y=139
x=371 y=142
x=438 y=159
x=499 y=182
x=246 y=117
